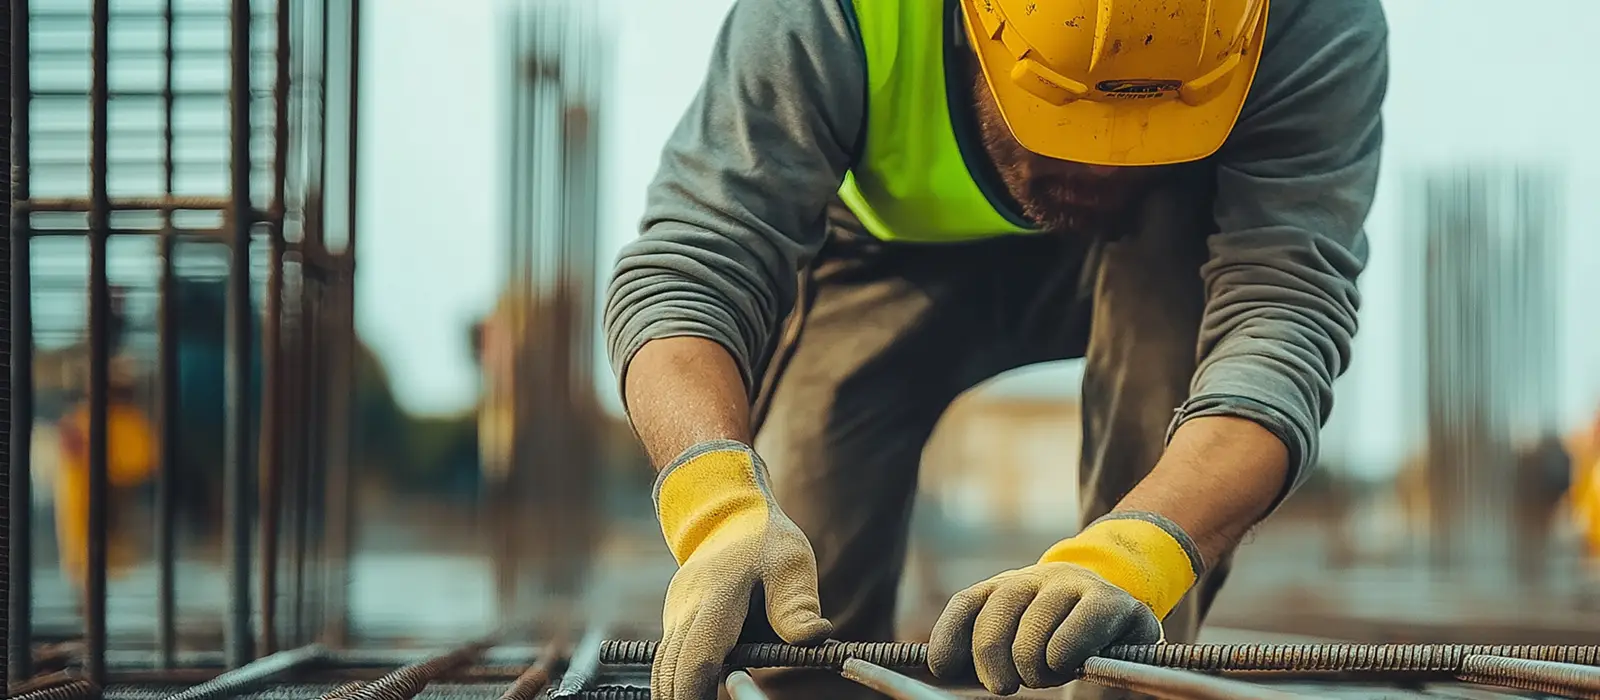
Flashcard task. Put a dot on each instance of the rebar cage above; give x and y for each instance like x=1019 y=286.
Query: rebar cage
x=214 y=231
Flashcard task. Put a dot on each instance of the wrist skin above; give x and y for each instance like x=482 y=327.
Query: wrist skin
x=1217 y=478
x=681 y=391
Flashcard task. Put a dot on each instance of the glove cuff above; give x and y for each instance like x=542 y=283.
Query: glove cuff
x=707 y=487
x=1143 y=553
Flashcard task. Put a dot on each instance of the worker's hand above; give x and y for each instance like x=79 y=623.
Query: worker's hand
x=1035 y=626
x=728 y=535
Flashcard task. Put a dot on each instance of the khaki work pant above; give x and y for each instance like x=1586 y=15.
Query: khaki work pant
x=885 y=336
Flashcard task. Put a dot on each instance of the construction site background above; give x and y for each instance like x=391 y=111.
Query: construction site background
x=493 y=477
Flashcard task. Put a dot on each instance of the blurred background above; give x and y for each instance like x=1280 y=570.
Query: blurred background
x=433 y=443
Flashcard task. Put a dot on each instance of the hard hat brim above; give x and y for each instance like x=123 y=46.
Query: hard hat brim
x=1133 y=133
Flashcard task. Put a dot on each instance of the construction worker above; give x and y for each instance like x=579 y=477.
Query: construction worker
x=1583 y=496
x=871 y=206
x=131 y=446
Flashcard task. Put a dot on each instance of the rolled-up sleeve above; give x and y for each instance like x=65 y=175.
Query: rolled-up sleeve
x=1294 y=186
x=738 y=200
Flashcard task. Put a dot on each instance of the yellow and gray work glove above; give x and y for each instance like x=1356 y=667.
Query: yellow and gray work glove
x=1111 y=584
x=728 y=535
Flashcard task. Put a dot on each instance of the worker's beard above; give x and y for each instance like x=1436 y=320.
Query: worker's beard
x=1056 y=195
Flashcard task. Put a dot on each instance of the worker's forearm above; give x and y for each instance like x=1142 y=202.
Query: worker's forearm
x=1217 y=479
x=683 y=391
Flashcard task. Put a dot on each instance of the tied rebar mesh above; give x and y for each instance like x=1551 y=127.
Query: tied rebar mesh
x=1192 y=657
x=1565 y=680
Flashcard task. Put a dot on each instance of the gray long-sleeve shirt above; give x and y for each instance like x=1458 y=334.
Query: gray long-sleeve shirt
x=737 y=206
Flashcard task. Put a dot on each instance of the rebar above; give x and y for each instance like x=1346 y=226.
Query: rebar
x=895 y=685
x=1172 y=683
x=764 y=655
x=94 y=609
x=742 y=687
x=271 y=468
x=340 y=691
x=1339 y=657
x=6 y=514
x=1566 y=680
x=167 y=203
x=405 y=682
x=613 y=692
x=537 y=677
x=256 y=672
x=167 y=408
x=1442 y=658
x=75 y=690
x=18 y=538
x=584 y=665
x=48 y=680
x=237 y=637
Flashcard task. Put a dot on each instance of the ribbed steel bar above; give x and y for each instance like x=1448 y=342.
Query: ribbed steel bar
x=75 y=690
x=254 y=673
x=1439 y=658
x=889 y=683
x=742 y=687
x=612 y=692
x=46 y=680
x=1566 y=680
x=167 y=369
x=406 y=682
x=19 y=535
x=1174 y=684
x=271 y=468
x=584 y=666
x=6 y=426
x=340 y=691
x=238 y=638
x=94 y=609
x=353 y=129
x=166 y=203
x=537 y=677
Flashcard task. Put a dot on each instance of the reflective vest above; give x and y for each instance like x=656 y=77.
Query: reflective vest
x=912 y=181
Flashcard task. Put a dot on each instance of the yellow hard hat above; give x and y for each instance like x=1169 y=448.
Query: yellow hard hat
x=1119 y=82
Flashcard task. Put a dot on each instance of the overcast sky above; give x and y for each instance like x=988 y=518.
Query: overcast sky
x=1470 y=82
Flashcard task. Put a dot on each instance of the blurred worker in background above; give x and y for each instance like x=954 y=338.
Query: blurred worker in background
x=131 y=453
x=1174 y=191
x=1583 y=498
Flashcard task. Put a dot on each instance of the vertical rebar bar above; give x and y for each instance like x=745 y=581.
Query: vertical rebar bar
x=236 y=475
x=19 y=516
x=272 y=318
x=99 y=347
x=167 y=396
x=340 y=320
x=5 y=363
x=353 y=114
